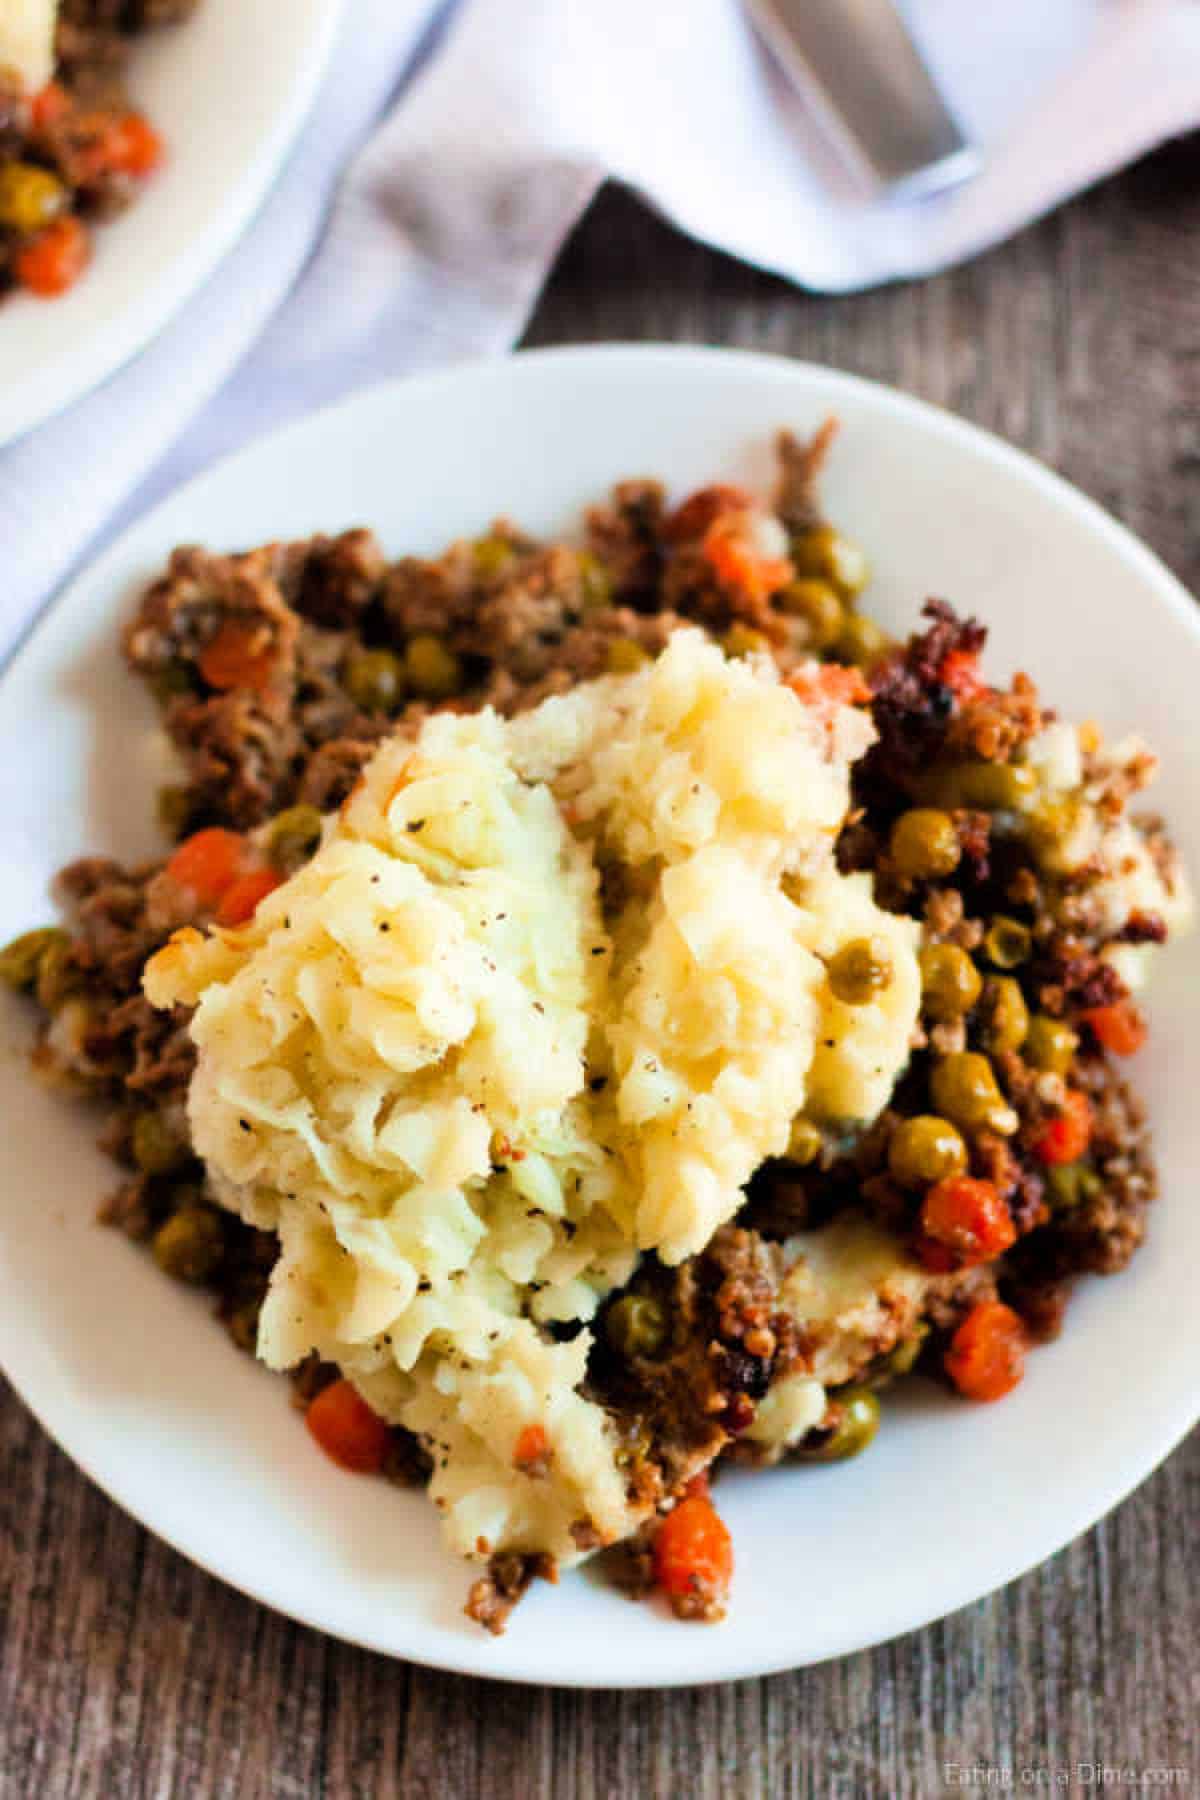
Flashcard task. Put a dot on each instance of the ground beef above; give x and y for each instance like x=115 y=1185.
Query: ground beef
x=526 y=621
x=332 y=770
x=492 y=1598
x=239 y=761
x=1102 y=1230
x=949 y=1298
x=581 y=655
x=1069 y=975
x=629 y=1565
x=912 y=707
x=125 y=16
x=627 y=538
x=681 y=1407
x=797 y=500
x=183 y=611
x=338 y=578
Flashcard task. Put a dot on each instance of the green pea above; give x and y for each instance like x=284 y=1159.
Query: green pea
x=950 y=982
x=21 y=960
x=1050 y=1045
x=903 y=1359
x=492 y=556
x=186 y=1193
x=825 y=553
x=862 y=642
x=805 y=1143
x=855 y=1424
x=989 y=787
x=635 y=1447
x=1006 y=1016
x=595 y=581
x=626 y=656
x=818 y=604
x=1068 y=1184
x=924 y=844
x=859 y=970
x=1007 y=942
x=434 y=671
x=30 y=197
x=242 y=1325
x=743 y=640
x=190 y=1245
x=171 y=679
x=156 y=1149
x=636 y=1325
x=294 y=834
x=174 y=807
x=374 y=680
x=924 y=1150
x=1052 y=827
x=57 y=975
x=965 y=1090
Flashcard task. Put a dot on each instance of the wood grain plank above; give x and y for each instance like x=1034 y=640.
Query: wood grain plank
x=125 y=1672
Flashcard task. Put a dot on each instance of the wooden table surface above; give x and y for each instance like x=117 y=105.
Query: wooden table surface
x=126 y=1672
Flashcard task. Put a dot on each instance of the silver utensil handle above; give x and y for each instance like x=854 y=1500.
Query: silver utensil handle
x=856 y=61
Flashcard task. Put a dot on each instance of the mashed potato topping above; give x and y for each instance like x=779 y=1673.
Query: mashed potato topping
x=545 y=997
x=857 y=1293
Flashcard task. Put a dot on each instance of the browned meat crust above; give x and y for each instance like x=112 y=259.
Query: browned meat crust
x=492 y=1598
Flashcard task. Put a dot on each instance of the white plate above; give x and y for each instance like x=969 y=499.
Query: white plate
x=228 y=90
x=145 y=1392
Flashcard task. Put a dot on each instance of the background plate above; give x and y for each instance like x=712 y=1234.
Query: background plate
x=228 y=90
x=145 y=1392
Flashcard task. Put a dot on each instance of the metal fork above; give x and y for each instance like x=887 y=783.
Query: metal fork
x=856 y=61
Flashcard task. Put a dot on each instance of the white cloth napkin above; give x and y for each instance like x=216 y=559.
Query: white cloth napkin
x=450 y=218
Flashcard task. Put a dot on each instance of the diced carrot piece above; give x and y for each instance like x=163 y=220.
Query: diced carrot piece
x=53 y=261
x=347 y=1429
x=737 y=565
x=968 y=1218
x=960 y=673
x=239 y=656
x=843 y=683
x=693 y=517
x=133 y=147
x=239 y=902
x=1119 y=1027
x=207 y=863
x=986 y=1358
x=826 y=687
x=128 y=145
x=531 y=1447
x=693 y=1552
x=47 y=105
x=1065 y=1138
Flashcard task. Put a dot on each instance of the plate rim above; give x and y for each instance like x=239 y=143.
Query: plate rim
x=134 y=328
x=1106 y=1492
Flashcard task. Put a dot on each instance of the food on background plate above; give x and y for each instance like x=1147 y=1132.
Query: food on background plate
x=73 y=148
x=609 y=1012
